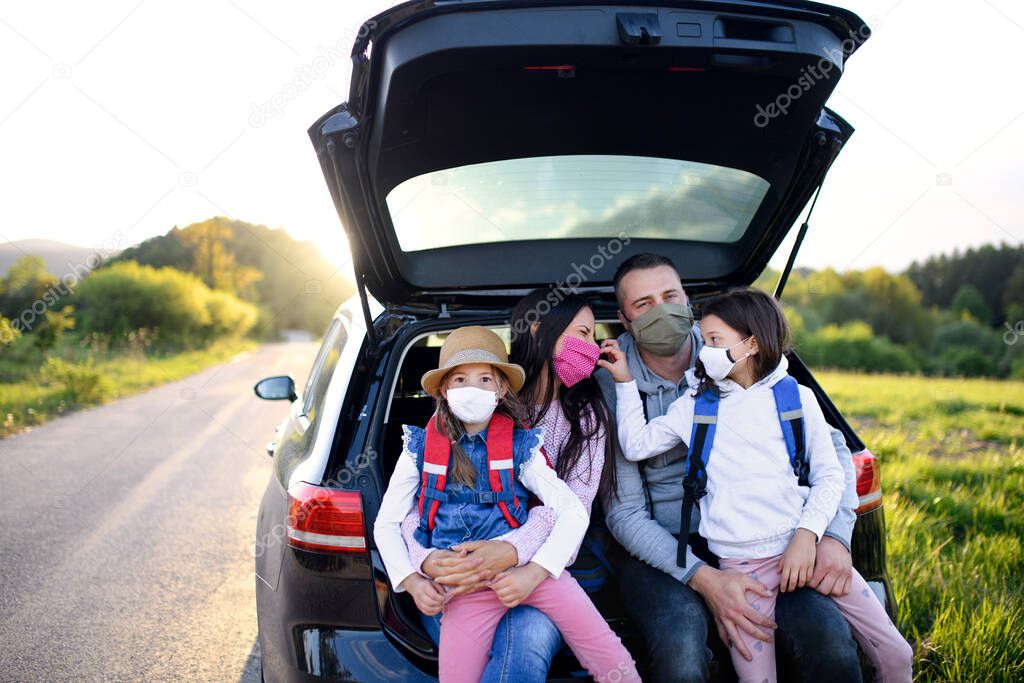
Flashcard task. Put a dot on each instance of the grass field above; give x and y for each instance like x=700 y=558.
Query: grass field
x=952 y=454
x=43 y=395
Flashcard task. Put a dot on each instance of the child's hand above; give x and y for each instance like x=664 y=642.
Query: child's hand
x=616 y=363
x=515 y=585
x=428 y=595
x=797 y=563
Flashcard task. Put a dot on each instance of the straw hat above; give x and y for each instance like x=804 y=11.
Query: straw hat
x=473 y=344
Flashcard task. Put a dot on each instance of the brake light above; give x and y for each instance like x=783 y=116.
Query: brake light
x=869 y=481
x=551 y=67
x=325 y=520
x=696 y=69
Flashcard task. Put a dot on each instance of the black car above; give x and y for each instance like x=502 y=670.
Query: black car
x=488 y=147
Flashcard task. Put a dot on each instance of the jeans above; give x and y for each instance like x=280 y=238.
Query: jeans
x=524 y=644
x=814 y=642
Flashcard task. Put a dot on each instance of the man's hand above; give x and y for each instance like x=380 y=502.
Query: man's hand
x=469 y=566
x=724 y=592
x=833 y=568
x=428 y=595
x=797 y=563
x=516 y=584
x=616 y=363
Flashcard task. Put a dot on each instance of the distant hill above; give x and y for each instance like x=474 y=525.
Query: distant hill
x=290 y=280
x=56 y=255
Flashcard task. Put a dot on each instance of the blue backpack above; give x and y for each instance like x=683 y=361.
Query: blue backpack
x=702 y=437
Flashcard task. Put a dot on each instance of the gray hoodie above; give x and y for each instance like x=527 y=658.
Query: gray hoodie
x=654 y=540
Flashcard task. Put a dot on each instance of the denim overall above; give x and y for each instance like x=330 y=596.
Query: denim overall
x=457 y=522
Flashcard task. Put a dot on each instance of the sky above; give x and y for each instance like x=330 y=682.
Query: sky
x=123 y=119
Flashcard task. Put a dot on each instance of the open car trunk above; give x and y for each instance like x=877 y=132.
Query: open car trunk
x=489 y=147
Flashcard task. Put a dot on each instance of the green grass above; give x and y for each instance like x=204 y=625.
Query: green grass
x=60 y=386
x=952 y=454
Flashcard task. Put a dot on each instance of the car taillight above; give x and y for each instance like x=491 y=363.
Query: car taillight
x=869 y=481
x=325 y=520
x=550 y=67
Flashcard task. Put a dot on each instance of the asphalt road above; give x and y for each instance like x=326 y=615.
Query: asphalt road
x=126 y=531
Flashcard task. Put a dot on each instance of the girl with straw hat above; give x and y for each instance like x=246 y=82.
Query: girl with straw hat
x=469 y=473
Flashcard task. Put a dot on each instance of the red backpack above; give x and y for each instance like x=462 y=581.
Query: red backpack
x=437 y=453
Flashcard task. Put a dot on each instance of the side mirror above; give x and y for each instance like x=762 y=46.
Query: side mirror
x=277 y=388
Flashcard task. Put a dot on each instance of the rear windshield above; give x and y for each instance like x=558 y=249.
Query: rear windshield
x=574 y=196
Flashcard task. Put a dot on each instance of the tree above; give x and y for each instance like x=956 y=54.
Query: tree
x=212 y=260
x=291 y=281
x=26 y=283
x=989 y=268
x=57 y=323
x=1013 y=296
x=968 y=300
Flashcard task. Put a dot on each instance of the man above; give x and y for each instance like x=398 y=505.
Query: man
x=672 y=605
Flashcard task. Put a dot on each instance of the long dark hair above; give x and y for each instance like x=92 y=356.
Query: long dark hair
x=461 y=468
x=750 y=312
x=582 y=404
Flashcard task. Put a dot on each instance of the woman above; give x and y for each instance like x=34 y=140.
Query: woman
x=553 y=340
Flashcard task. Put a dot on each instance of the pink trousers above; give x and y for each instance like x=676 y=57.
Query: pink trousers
x=890 y=654
x=468 y=623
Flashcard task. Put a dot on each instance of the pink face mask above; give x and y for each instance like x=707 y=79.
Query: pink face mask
x=576 y=361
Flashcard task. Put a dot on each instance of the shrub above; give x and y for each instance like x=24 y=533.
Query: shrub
x=966 y=333
x=83 y=383
x=127 y=296
x=9 y=332
x=57 y=322
x=854 y=346
x=1017 y=369
x=965 y=361
x=229 y=315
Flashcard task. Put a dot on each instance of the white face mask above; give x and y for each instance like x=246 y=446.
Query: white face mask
x=718 y=362
x=472 y=405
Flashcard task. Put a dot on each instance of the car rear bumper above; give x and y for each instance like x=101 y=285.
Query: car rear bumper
x=332 y=654
x=869 y=556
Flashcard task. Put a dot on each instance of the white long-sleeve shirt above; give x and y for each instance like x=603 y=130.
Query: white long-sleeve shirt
x=562 y=544
x=754 y=502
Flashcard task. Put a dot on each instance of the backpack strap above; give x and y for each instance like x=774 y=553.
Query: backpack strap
x=702 y=437
x=437 y=451
x=791 y=418
x=642 y=465
x=437 y=454
x=500 y=463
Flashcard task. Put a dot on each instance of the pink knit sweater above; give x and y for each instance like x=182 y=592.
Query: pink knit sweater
x=583 y=479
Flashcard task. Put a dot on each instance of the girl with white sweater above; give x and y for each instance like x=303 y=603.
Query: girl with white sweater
x=758 y=516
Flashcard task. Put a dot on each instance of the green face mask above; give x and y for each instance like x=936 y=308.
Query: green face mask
x=663 y=329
